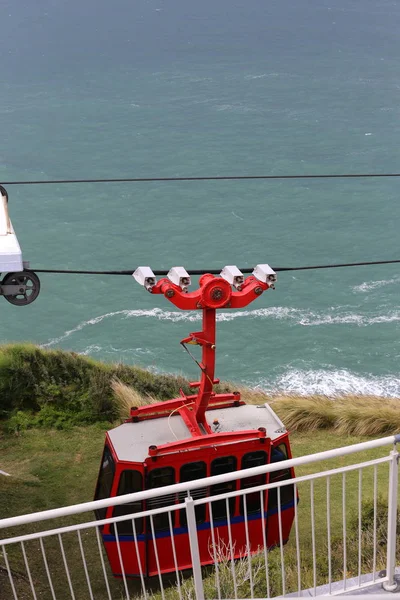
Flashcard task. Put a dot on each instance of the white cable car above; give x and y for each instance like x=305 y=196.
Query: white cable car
x=19 y=286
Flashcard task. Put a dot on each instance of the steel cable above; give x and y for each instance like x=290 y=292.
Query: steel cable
x=161 y=272
x=201 y=178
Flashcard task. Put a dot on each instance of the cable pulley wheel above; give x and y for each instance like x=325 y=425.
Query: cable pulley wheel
x=29 y=287
x=216 y=293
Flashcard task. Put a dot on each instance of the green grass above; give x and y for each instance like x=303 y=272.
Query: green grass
x=50 y=469
x=55 y=468
x=56 y=407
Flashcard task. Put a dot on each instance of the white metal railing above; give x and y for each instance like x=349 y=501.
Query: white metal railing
x=68 y=560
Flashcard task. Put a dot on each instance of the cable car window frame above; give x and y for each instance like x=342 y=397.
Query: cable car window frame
x=249 y=482
x=287 y=491
x=160 y=521
x=200 y=510
x=126 y=527
x=103 y=480
x=218 y=507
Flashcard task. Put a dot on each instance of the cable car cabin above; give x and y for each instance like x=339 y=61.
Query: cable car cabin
x=193 y=437
x=127 y=468
x=18 y=286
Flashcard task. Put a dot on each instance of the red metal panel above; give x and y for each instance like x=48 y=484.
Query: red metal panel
x=129 y=557
x=273 y=527
x=204 y=532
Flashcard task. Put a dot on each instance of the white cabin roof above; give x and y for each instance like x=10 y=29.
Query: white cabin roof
x=131 y=441
x=10 y=251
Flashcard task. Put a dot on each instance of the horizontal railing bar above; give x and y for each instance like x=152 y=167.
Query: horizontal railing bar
x=364 y=585
x=344 y=593
x=184 y=487
x=206 y=500
x=302 y=478
x=92 y=524
x=340 y=594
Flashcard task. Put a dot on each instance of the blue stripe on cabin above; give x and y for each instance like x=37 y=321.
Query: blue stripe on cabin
x=200 y=527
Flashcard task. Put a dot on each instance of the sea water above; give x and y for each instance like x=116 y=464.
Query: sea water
x=166 y=88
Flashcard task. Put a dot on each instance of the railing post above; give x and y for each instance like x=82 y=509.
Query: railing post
x=391 y=584
x=194 y=547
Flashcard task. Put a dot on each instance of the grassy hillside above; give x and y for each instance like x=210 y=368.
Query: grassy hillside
x=55 y=407
x=53 y=468
x=58 y=389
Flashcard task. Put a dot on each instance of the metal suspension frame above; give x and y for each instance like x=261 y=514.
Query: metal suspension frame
x=213 y=293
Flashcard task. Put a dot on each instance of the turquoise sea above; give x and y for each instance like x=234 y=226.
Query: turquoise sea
x=135 y=88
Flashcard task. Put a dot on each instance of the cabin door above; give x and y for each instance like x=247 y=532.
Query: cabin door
x=130 y=533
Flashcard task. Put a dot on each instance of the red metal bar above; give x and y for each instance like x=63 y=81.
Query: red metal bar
x=208 y=363
x=165 y=408
x=227 y=437
x=213 y=293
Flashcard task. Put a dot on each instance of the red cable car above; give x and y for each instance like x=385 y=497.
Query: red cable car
x=192 y=437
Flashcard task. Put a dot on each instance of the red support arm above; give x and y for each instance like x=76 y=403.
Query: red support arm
x=213 y=293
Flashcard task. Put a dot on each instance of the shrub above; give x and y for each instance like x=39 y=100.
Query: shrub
x=63 y=388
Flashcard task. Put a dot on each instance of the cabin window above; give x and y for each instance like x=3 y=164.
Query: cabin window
x=253 y=500
x=287 y=491
x=279 y=453
x=105 y=481
x=130 y=481
x=159 y=478
x=190 y=472
x=219 y=466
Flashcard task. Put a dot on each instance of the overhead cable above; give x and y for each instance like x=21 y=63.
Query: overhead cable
x=161 y=273
x=200 y=178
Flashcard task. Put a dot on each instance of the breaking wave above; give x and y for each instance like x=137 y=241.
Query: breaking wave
x=236 y=108
x=335 y=316
x=367 y=286
x=333 y=382
x=79 y=327
x=132 y=352
x=261 y=76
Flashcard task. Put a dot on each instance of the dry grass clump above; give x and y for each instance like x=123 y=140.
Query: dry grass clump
x=349 y=415
x=305 y=413
x=126 y=397
x=368 y=415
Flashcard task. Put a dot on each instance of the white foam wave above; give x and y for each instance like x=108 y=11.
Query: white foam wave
x=133 y=351
x=336 y=316
x=304 y=317
x=95 y=349
x=199 y=79
x=263 y=75
x=333 y=382
x=367 y=286
x=237 y=108
x=256 y=76
x=349 y=319
x=92 y=349
x=79 y=327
